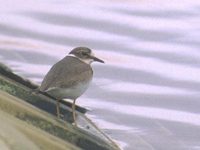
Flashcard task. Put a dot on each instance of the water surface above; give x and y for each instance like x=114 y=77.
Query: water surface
x=146 y=96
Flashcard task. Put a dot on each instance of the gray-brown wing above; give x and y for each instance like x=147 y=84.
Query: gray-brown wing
x=67 y=72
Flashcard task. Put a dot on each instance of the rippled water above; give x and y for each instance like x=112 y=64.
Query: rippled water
x=146 y=96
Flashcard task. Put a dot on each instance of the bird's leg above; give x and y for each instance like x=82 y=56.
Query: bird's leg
x=74 y=112
x=58 y=108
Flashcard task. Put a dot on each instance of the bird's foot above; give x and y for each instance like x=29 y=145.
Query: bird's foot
x=74 y=124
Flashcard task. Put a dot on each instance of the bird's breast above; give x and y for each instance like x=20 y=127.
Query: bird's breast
x=71 y=92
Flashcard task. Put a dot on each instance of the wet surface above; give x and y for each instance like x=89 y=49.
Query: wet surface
x=147 y=95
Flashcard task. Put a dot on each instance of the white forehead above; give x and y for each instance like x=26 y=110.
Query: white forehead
x=92 y=54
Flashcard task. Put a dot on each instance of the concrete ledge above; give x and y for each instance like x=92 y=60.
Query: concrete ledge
x=32 y=118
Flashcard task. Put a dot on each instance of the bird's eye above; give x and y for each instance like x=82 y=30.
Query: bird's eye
x=84 y=54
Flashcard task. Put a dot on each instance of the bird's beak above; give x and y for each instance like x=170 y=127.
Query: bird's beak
x=97 y=59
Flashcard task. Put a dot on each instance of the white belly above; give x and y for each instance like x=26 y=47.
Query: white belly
x=69 y=93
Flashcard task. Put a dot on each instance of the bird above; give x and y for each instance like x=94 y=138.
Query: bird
x=70 y=77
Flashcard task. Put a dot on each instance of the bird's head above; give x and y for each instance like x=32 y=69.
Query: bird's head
x=85 y=54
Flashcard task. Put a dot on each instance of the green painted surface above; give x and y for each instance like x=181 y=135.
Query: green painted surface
x=19 y=134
